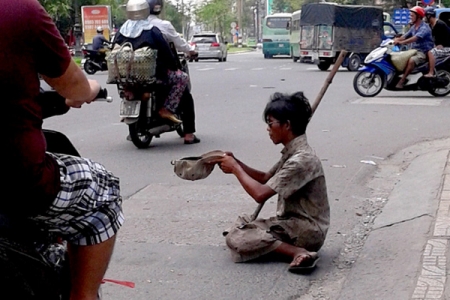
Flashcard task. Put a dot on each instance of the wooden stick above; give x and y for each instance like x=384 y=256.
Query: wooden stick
x=314 y=106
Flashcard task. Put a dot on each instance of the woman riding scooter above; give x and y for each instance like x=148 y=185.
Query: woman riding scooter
x=138 y=31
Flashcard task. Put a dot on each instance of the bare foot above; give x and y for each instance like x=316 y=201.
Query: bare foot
x=428 y=75
x=304 y=258
x=399 y=85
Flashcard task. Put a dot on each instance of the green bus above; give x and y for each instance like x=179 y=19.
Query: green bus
x=276 y=34
x=295 y=35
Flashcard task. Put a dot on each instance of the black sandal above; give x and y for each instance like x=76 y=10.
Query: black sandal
x=195 y=140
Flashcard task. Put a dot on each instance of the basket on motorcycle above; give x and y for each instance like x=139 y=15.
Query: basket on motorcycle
x=126 y=65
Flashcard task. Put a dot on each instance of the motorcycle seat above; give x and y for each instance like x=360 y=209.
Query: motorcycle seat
x=400 y=59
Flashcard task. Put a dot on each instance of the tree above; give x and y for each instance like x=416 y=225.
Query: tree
x=215 y=15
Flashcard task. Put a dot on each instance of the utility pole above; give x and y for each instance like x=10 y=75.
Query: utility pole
x=239 y=11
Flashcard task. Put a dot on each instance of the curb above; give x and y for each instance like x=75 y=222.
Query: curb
x=405 y=255
x=432 y=280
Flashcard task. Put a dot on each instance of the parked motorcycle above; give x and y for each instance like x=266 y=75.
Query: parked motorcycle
x=33 y=262
x=93 y=61
x=381 y=70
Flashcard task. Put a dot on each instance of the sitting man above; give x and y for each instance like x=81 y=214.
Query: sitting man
x=419 y=36
x=303 y=214
x=441 y=36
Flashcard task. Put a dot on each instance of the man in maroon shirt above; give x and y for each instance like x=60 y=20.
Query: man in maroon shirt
x=54 y=190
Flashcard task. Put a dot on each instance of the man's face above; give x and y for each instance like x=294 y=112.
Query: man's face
x=413 y=17
x=276 y=130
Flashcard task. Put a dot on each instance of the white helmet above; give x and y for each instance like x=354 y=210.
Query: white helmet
x=99 y=29
x=137 y=10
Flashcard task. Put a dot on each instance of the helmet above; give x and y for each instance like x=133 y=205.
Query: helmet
x=419 y=11
x=137 y=10
x=156 y=6
x=430 y=12
x=99 y=29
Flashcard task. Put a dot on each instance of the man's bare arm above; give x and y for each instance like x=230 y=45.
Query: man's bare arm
x=74 y=85
x=259 y=176
x=258 y=191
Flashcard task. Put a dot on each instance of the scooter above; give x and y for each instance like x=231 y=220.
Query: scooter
x=93 y=61
x=33 y=262
x=383 y=68
x=139 y=109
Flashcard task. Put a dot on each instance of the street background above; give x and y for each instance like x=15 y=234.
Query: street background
x=171 y=245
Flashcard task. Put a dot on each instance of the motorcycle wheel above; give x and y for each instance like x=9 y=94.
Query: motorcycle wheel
x=324 y=65
x=441 y=92
x=89 y=67
x=140 y=138
x=368 y=84
x=354 y=62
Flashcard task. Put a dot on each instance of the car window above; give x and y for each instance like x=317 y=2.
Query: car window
x=207 y=39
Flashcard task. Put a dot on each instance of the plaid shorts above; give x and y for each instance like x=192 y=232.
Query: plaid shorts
x=88 y=209
x=440 y=52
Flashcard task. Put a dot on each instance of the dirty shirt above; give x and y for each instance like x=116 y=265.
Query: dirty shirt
x=303 y=212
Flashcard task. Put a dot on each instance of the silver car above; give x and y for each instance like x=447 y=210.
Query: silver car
x=209 y=46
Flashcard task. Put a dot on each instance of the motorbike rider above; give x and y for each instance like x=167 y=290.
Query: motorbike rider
x=74 y=197
x=441 y=35
x=98 y=44
x=140 y=33
x=99 y=41
x=419 y=36
x=171 y=36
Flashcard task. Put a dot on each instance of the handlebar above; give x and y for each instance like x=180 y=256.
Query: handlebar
x=103 y=96
x=53 y=104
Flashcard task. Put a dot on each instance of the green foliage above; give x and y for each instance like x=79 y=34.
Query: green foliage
x=279 y=6
x=216 y=15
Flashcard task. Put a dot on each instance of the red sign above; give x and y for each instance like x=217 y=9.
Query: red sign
x=93 y=17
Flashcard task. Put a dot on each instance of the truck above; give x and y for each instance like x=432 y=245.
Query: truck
x=327 y=28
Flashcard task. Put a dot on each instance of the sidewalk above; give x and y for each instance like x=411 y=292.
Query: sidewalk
x=407 y=254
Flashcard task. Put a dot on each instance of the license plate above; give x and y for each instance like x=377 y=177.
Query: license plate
x=130 y=109
x=315 y=56
x=203 y=47
x=280 y=45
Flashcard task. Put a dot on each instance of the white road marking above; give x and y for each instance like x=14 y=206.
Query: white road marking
x=399 y=101
x=257 y=69
x=230 y=69
x=205 y=69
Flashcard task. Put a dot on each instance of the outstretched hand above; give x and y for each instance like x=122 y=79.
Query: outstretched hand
x=227 y=163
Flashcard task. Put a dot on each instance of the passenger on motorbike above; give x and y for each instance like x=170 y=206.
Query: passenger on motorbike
x=140 y=33
x=74 y=197
x=441 y=35
x=171 y=36
x=419 y=36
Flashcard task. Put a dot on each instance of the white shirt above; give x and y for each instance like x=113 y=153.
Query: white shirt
x=169 y=33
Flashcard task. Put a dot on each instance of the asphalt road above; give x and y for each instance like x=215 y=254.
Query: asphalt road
x=173 y=249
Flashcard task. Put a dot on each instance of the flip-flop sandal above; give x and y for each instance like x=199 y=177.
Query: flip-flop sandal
x=305 y=267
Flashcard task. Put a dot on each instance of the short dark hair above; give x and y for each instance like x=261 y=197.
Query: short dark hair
x=294 y=108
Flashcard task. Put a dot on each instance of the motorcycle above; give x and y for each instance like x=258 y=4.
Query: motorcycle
x=382 y=70
x=34 y=262
x=93 y=61
x=140 y=105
